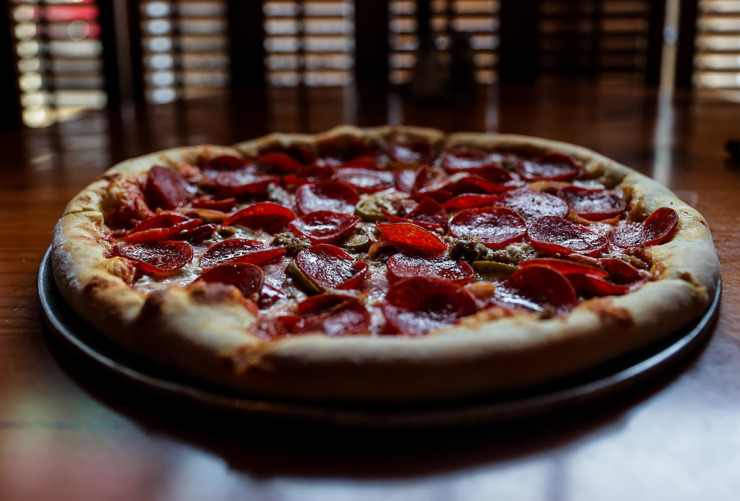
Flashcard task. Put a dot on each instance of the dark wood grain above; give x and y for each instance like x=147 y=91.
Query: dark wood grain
x=66 y=432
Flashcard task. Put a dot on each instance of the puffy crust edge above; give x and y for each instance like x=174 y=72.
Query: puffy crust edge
x=182 y=329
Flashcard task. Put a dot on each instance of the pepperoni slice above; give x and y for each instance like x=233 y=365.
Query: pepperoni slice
x=402 y=266
x=557 y=235
x=473 y=184
x=469 y=201
x=531 y=204
x=234 y=176
x=247 y=181
x=329 y=267
x=411 y=153
x=326 y=196
x=592 y=204
x=552 y=166
x=239 y=250
x=162 y=226
x=331 y=314
x=269 y=295
x=339 y=150
x=591 y=286
x=429 y=214
x=405 y=180
x=165 y=188
x=214 y=203
x=248 y=278
x=412 y=239
x=223 y=163
x=459 y=159
x=656 y=229
x=621 y=272
x=198 y=233
x=365 y=180
x=420 y=305
x=280 y=163
x=324 y=226
x=494 y=226
x=159 y=258
x=497 y=175
x=566 y=267
x=269 y=216
x=538 y=288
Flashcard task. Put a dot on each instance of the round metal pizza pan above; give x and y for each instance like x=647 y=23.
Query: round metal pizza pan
x=614 y=377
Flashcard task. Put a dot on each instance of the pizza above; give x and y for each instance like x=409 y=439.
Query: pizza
x=387 y=264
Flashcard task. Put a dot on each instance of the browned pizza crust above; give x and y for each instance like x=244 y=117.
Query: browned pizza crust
x=203 y=330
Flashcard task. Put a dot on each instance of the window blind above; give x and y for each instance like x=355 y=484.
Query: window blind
x=476 y=20
x=59 y=58
x=309 y=42
x=717 y=46
x=184 y=48
x=604 y=37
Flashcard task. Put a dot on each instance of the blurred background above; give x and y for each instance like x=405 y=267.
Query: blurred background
x=60 y=57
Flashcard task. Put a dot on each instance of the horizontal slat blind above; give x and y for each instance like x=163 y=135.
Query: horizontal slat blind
x=717 y=49
x=309 y=42
x=184 y=48
x=476 y=20
x=59 y=58
x=606 y=37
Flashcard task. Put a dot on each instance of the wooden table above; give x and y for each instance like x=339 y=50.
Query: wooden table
x=67 y=432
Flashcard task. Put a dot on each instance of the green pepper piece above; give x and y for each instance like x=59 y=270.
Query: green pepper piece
x=302 y=280
x=493 y=270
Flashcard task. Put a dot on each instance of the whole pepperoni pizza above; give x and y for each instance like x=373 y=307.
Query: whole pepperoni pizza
x=382 y=265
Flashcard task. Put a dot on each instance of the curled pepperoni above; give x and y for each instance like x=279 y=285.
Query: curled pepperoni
x=420 y=305
x=537 y=288
x=159 y=258
x=656 y=229
x=497 y=175
x=331 y=314
x=411 y=153
x=198 y=233
x=531 y=204
x=459 y=159
x=621 y=272
x=493 y=226
x=469 y=201
x=233 y=176
x=428 y=214
x=412 y=239
x=552 y=166
x=248 y=278
x=269 y=295
x=214 y=203
x=403 y=266
x=557 y=235
x=405 y=180
x=339 y=150
x=566 y=267
x=162 y=226
x=329 y=267
x=324 y=226
x=165 y=188
x=326 y=196
x=473 y=184
x=365 y=180
x=592 y=204
x=279 y=163
x=239 y=250
x=266 y=215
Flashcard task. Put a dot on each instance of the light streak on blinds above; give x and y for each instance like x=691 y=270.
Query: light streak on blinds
x=59 y=63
